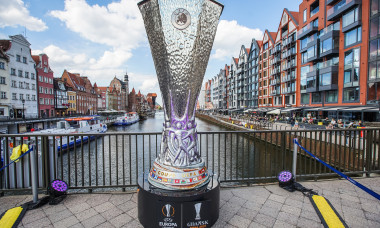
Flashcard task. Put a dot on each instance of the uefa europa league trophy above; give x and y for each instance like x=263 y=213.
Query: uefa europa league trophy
x=181 y=34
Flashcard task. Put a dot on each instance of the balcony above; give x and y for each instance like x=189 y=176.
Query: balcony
x=273 y=82
x=288 y=90
x=341 y=7
x=308 y=29
x=274 y=92
x=331 y=2
x=330 y=83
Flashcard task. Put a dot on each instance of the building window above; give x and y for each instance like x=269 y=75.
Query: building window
x=2 y=66
x=265 y=47
x=352 y=37
x=40 y=78
x=14 y=85
x=304 y=57
x=311 y=82
x=41 y=101
x=316 y=97
x=374 y=7
x=3 y=95
x=2 y=80
x=350 y=17
x=315 y=23
x=14 y=96
x=314 y=8
x=374 y=27
x=325 y=79
x=351 y=94
x=46 y=91
x=304 y=15
x=13 y=71
x=20 y=73
x=26 y=74
x=21 y=96
x=33 y=87
x=27 y=86
x=304 y=71
x=33 y=97
x=374 y=49
x=18 y=58
x=45 y=69
x=47 y=101
x=331 y=96
x=32 y=76
x=20 y=85
x=24 y=59
x=351 y=67
x=41 y=90
x=27 y=97
x=311 y=52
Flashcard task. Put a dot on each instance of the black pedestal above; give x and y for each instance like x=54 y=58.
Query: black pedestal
x=197 y=208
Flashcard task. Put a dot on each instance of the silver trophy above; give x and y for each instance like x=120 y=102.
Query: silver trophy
x=181 y=34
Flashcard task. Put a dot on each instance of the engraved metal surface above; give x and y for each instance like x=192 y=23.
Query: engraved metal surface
x=181 y=34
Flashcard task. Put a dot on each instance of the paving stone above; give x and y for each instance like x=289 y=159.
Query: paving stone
x=133 y=213
x=265 y=220
x=226 y=195
x=112 y=213
x=247 y=213
x=294 y=203
x=256 y=225
x=239 y=221
x=127 y=206
x=60 y=216
x=78 y=207
x=310 y=215
x=133 y=224
x=272 y=204
x=225 y=215
x=232 y=207
x=104 y=207
x=277 y=198
x=252 y=205
x=38 y=223
x=86 y=214
x=288 y=218
x=67 y=222
x=270 y=211
x=94 y=221
x=220 y=224
x=118 y=199
x=237 y=201
x=78 y=225
x=33 y=215
x=134 y=198
x=121 y=220
x=281 y=224
x=291 y=210
x=106 y=225
x=53 y=209
x=304 y=222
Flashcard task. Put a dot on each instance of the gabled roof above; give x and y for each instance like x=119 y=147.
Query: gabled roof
x=248 y=50
x=260 y=43
x=294 y=16
x=133 y=90
x=5 y=45
x=36 y=59
x=103 y=89
x=20 y=39
x=236 y=60
x=273 y=35
x=152 y=95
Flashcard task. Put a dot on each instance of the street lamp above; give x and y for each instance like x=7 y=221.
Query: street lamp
x=23 y=114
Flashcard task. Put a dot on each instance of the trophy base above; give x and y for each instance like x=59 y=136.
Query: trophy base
x=193 y=208
x=173 y=178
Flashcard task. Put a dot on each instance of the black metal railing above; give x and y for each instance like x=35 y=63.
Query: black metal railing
x=116 y=160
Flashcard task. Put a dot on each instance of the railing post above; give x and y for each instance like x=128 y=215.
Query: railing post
x=45 y=160
x=34 y=175
x=295 y=152
x=369 y=155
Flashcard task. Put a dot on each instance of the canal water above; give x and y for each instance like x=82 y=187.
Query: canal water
x=118 y=160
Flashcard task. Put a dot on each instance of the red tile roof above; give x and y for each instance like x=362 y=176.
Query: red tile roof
x=5 y=45
x=36 y=59
x=273 y=35
x=248 y=50
x=295 y=16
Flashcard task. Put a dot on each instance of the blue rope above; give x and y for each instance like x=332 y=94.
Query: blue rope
x=27 y=152
x=369 y=191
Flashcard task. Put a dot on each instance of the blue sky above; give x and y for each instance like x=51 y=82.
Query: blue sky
x=103 y=38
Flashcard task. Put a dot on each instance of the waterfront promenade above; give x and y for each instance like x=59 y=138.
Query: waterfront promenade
x=256 y=206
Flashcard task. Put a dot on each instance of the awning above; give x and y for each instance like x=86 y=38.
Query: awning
x=248 y=110
x=313 y=109
x=361 y=109
x=287 y=110
x=274 y=112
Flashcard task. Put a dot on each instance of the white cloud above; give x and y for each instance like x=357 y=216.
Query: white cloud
x=229 y=38
x=14 y=13
x=118 y=24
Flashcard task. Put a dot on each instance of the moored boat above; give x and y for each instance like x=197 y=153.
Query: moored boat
x=128 y=119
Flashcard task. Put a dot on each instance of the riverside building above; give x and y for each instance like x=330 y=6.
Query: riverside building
x=22 y=79
x=323 y=59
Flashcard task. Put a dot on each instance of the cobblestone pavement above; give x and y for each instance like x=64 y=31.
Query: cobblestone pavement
x=257 y=206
